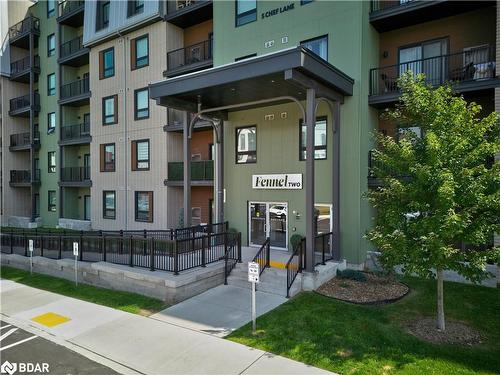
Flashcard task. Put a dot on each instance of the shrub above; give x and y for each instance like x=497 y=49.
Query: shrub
x=295 y=241
x=351 y=275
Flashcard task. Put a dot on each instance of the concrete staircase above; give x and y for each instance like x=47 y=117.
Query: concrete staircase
x=272 y=280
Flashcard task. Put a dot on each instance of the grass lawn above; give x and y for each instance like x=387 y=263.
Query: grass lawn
x=354 y=339
x=130 y=302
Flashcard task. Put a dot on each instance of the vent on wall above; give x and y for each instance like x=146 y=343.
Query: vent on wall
x=269 y=117
x=284 y=40
x=269 y=44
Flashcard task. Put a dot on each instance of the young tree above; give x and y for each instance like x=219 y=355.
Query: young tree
x=440 y=188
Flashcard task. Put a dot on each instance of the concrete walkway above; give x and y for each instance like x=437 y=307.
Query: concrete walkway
x=220 y=310
x=132 y=344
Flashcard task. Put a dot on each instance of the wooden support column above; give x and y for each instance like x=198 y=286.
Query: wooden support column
x=187 y=173
x=310 y=124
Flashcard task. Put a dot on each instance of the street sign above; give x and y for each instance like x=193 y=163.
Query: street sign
x=75 y=249
x=30 y=245
x=253 y=272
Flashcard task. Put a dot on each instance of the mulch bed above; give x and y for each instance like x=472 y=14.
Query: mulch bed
x=455 y=332
x=375 y=290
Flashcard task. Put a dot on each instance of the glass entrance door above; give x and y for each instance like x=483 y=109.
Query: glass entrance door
x=268 y=219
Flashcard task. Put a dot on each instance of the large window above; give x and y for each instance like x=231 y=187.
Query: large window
x=110 y=110
x=51 y=122
x=51 y=8
x=107 y=63
x=144 y=206
x=319 y=139
x=246 y=11
x=317 y=45
x=140 y=155
x=51 y=45
x=51 y=84
x=139 y=50
x=109 y=204
x=427 y=58
x=52 y=200
x=246 y=145
x=141 y=104
x=135 y=7
x=107 y=157
x=102 y=15
x=51 y=161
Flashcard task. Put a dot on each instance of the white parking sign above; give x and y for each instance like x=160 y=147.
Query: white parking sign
x=30 y=245
x=253 y=272
x=75 y=249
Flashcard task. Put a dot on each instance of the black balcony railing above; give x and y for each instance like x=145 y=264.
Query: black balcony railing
x=29 y=24
x=23 y=139
x=75 y=174
x=194 y=54
x=468 y=65
x=74 y=132
x=202 y=170
x=23 y=64
x=177 y=5
x=23 y=102
x=75 y=88
x=70 y=47
x=68 y=6
x=23 y=176
x=377 y=5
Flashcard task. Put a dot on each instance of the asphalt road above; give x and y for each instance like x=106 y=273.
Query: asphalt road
x=17 y=345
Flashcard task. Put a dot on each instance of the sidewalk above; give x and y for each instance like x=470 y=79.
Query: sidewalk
x=146 y=345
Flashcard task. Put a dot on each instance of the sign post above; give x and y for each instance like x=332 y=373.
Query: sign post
x=253 y=277
x=30 y=248
x=75 y=253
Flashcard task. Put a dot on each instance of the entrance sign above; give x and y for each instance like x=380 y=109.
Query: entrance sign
x=253 y=272
x=277 y=181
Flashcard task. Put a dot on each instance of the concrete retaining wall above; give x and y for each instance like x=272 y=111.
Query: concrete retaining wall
x=372 y=264
x=157 y=284
x=22 y=222
x=74 y=224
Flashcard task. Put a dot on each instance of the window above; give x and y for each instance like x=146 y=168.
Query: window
x=51 y=159
x=319 y=139
x=246 y=145
x=107 y=157
x=109 y=204
x=426 y=58
x=107 y=63
x=51 y=8
x=51 y=84
x=102 y=15
x=317 y=45
x=141 y=104
x=144 y=206
x=135 y=7
x=246 y=11
x=139 y=52
x=140 y=155
x=196 y=216
x=110 y=110
x=52 y=201
x=51 y=45
x=51 y=122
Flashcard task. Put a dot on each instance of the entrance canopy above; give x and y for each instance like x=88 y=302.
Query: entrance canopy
x=285 y=73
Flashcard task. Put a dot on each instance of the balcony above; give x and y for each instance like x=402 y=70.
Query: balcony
x=176 y=122
x=188 y=59
x=73 y=53
x=374 y=180
x=20 y=70
x=22 y=141
x=75 y=134
x=70 y=12
x=202 y=173
x=20 y=106
x=76 y=93
x=387 y=15
x=186 y=13
x=19 y=34
x=470 y=70
x=22 y=178
x=75 y=177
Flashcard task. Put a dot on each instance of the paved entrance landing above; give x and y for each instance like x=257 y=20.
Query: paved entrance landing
x=220 y=310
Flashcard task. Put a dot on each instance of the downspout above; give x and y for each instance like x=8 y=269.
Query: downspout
x=125 y=126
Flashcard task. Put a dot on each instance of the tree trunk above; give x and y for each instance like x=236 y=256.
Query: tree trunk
x=440 y=302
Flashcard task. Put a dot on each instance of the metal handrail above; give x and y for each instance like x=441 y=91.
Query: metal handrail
x=76 y=131
x=28 y=24
x=75 y=88
x=294 y=266
x=23 y=64
x=263 y=256
x=70 y=47
x=24 y=139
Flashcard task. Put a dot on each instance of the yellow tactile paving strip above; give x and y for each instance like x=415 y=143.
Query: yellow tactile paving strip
x=50 y=319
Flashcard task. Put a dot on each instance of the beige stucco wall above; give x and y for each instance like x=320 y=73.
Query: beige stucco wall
x=162 y=37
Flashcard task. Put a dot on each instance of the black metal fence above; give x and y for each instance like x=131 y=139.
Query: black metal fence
x=70 y=47
x=23 y=102
x=468 y=65
x=294 y=265
x=75 y=88
x=133 y=250
x=201 y=170
x=75 y=174
x=196 y=53
x=23 y=139
x=23 y=64
x=23 y=176
x=74 y=132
